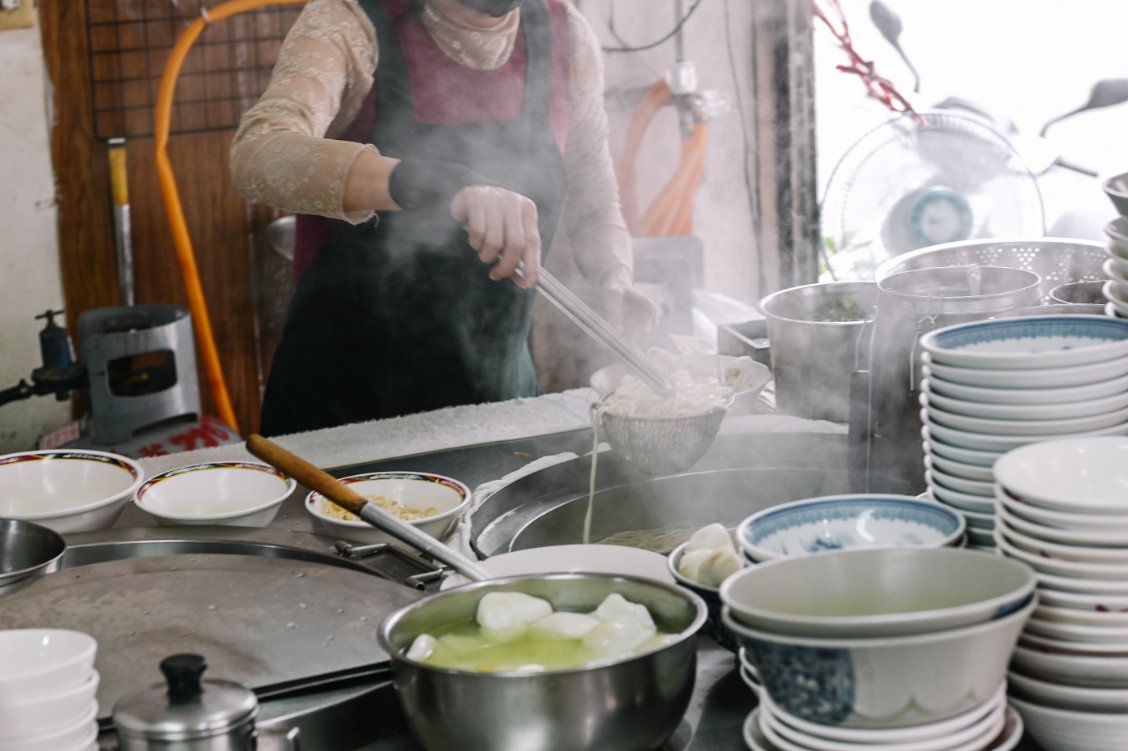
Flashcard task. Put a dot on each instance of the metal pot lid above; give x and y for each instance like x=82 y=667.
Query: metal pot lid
x=185 y=707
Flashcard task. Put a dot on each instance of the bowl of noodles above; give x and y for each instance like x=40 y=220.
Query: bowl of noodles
x=432 y=503
x=662 y=435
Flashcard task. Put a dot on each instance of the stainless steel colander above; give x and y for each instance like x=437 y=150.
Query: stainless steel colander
x=1056 y=261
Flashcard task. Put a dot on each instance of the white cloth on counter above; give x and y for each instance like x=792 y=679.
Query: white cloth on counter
x=393 y=437
x=460 y=540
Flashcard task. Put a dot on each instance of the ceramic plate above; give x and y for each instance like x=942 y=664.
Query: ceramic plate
x=1002 y=442
x=1032 y=378
x=1116 y=298
x=1101 y=523
x=1075 y=670
x=1025 y=427
x=1106 y=538
x=956 y=468
x=1031 y=396
x=1023 y=412
x=1079 y=475
x=948 y=481
x=976 y=457
x=1028 y=342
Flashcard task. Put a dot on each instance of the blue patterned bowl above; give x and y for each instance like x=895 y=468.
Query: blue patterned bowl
x=712 y=597
x=843 y=522
x=1029 y=342
x=878 y=592
x=882 y=682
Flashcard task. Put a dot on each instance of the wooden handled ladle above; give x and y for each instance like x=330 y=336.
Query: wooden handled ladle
x=345 y=497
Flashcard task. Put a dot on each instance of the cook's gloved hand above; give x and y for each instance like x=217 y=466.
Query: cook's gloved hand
x=625 y=307
x=501 y=225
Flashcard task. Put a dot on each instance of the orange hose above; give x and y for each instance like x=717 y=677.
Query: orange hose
x=680 y=188
x=205 y=338
x=682 y=222
x=654 y=100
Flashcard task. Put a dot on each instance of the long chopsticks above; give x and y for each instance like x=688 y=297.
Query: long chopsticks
x=597 y=327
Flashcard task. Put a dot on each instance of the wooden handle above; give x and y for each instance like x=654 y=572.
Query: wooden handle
x=307 y=474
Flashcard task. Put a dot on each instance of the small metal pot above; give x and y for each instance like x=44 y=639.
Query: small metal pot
x=631 y=704
x=27 y=550
x=187 y=713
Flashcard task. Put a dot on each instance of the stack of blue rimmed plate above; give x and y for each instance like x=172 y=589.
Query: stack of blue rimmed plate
x=1116 y=268
x=1063 y=510
x=993 y=386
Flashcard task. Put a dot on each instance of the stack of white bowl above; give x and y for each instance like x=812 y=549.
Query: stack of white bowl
x=893 y=649
x=48 y=688
x=1063 y=510
x=1116 y=268
x=993 y=386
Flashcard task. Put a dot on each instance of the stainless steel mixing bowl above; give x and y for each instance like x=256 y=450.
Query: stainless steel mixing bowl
x=632 y=704
x=27 y=550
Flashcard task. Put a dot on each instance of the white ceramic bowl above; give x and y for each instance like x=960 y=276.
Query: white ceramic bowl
x=981 y=539
x=31 y=716
x=1117 y=298
x=67 y=490
x=1083 y=698
x=1063 y=552
x=565 y=559
x=978 y=490
x=1035 y=342
x=1117 y=269
x=1109 y=636
x=956 y=468
x=1071 y=670
x=1074 y=647
x=1056 y=729
x=1116 y=538
x=1007 y=395
x=844 y=522
x=418 y=491
x=965 y=503
x=1003 y=442
x=77 y=735
x=1079 y=475
x=1108 y=524
x=940 y=735
x=972 y=736
x=1087 y=617
x=1033 y=378
x=241 y=494
x=40 y=662
x=883 y=682
x=1022 y=412
x=976 y=457
x=1024 y=427
x=879 y=591
x=1089 y=572
x=1098 y=603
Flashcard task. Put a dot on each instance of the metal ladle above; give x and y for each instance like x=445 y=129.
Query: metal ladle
x=348 y=499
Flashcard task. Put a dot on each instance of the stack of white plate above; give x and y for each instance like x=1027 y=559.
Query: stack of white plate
x=991 y=725
x=1116 y=268
x=1063 y=510
x=48 y=688
x=993 y=386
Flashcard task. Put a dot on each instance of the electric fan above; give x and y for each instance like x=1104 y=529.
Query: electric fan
x=918 y=181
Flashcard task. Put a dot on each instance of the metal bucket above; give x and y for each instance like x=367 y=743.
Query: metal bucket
x=909 y=305
x=814 y=332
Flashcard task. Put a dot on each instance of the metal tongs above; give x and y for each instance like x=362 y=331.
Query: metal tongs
x=597 y=327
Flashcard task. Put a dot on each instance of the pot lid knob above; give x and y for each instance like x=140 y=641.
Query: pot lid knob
x=185 y=707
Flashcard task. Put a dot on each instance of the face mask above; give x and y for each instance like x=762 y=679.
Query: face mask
x=495 y=8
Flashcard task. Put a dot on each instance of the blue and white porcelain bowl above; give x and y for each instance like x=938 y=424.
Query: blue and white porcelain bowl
x=843 y=522
x=883 y=681
x=878 y=592
x=1028 y=342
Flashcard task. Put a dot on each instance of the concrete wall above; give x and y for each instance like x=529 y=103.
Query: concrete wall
x=29 y=264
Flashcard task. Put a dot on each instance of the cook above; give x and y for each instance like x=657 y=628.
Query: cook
x=428 y=147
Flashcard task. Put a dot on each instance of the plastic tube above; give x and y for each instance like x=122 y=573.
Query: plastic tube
x=655 y=98
x=182 y=241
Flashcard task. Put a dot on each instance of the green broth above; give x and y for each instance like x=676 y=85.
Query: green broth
x=462 y=646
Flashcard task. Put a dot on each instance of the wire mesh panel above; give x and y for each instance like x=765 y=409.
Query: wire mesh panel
x=226 y=71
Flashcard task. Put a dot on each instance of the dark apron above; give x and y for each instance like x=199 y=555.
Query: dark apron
x=398 y=315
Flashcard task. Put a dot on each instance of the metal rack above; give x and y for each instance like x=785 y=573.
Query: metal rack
x=128 y=43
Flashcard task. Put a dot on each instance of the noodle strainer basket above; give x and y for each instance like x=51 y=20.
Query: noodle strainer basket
x=657 y=446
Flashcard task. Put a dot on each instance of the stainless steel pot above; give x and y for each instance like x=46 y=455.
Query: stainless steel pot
x=909 y=305
x=27 y=550
x=633 y=704
x=814 y=331
x=188 y=713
